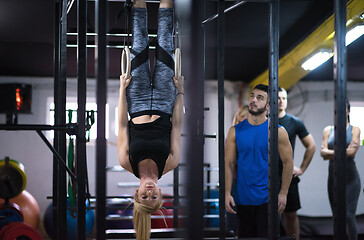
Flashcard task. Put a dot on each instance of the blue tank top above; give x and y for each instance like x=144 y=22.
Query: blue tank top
x=252 y=163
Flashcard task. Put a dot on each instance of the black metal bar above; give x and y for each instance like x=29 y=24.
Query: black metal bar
x=81 y=101
x=101 y=65
x=237 y=4
x=190 y=15
x=59 y=175
x=35 y=127
x=57 y=17
x=340 y=78
x=273 y=223
x=210 y=136
x=221 y=114
x=56 y=154
x=176 y=197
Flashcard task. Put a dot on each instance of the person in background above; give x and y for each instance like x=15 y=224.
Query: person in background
x=241 y=114
x=353 y=185
x=246 y=149
x=294 y=127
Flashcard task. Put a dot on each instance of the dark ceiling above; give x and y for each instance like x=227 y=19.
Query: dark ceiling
x=27 y=36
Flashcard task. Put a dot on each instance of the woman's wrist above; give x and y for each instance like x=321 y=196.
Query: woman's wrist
x=180 y=91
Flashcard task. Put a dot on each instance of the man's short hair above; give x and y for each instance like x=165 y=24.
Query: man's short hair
x=280 y=89
x=262 y=87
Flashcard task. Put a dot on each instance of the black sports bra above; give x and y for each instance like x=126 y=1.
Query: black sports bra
x=150 y=140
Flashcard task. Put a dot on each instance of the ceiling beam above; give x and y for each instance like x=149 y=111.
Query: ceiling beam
x=290 y=70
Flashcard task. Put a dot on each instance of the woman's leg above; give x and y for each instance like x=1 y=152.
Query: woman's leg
x=166 y=4
x=139 y=4
x=164 y=90
x=353 y=188
x=139 y=90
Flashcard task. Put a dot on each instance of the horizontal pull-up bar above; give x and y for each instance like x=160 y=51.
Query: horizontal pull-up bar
x=237 y=4
x=148 y=1
x=109 y=34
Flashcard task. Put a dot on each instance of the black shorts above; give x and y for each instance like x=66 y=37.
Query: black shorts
x=293 y=197
x=252 y=221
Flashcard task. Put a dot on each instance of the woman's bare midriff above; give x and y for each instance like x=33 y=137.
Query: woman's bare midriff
x=145 y=119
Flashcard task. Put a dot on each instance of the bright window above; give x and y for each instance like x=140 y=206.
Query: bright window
x=357 y=117
x=89 y=106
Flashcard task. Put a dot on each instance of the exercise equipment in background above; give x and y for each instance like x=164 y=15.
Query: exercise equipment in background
x=119 y=213
x=29 y=207
x=13 y=179
x=9 y=213
x=19 y=230
x=19 y=211
x=71 y=221
x=164 y=217
x=211 y=204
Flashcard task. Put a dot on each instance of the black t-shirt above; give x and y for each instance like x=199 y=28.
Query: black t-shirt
x=294 y=127
x=150 y=140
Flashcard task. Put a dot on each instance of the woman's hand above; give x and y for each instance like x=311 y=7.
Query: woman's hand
x=326 y=154
x=124 y=82
x=179 y=82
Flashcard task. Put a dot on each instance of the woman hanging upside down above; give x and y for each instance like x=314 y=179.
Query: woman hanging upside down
x=149 y=143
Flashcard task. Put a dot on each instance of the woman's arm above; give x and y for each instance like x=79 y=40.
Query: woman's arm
x=177 y=119
x=354 y=144
x=123 y=135
x=326 y=153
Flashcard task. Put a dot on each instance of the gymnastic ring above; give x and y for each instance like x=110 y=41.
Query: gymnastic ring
x=177 y=63
x=125 y=62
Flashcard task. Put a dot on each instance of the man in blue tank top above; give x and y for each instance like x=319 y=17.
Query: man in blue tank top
x=246 y=154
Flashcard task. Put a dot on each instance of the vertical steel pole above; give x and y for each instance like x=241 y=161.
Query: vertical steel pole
x=60 y=70
x=190 y=14
x=221 y=115
x=81 y=100
x=176 y=197
x=273 y=226
x=340 y=75
x=101 y=66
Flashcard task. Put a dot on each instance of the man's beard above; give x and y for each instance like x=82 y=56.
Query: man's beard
x=258 y=112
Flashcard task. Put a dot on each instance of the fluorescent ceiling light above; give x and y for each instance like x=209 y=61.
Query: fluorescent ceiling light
x=354 y=34
x=316 y=60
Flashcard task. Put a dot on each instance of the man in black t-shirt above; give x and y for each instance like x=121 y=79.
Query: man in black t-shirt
x=294 y=127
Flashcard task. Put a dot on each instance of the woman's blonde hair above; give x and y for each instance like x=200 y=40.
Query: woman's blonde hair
x=142 y=218
x=241 y=114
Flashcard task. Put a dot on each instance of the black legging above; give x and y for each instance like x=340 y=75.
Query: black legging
x=158 y=93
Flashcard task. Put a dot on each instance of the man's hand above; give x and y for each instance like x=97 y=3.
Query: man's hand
x=282 y=200
x=229 y=203
x=297 y=171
